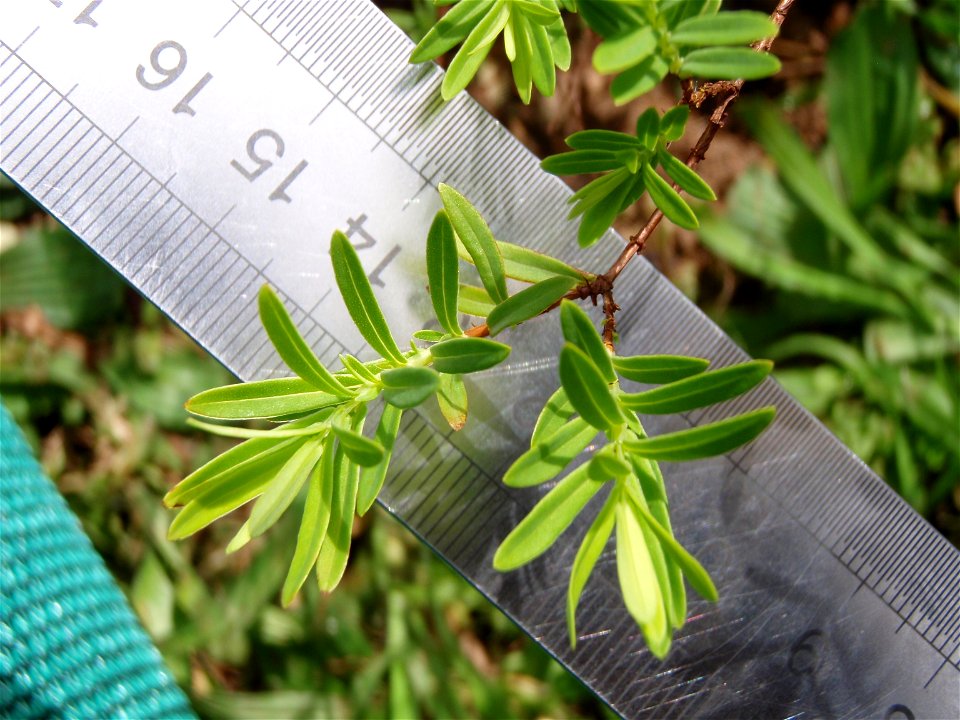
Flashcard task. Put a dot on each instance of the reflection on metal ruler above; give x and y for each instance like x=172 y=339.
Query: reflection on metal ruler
x=205 y=148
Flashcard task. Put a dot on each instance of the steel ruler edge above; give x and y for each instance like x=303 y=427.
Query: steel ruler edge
x=203 y=149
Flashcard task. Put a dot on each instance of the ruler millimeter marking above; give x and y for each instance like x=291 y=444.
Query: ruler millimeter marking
x=204 y=150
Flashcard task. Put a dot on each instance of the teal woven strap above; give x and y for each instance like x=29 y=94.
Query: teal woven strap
x=70 y=645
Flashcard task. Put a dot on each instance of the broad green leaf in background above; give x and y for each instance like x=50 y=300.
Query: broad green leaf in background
x=360 y=301
x=587 y=389
x=547 y=520
x=547 y=459
x=589 y=552
x=371 y=478
x=579 y=329
x=708 y=388
x=722 y=63
x=726 y=28
x=443 y=273
x=407 y=387
x=468 y=354
x=291 y=346
x=704 y=441
x=528 y=303
x=658 y=368
x=473 y=232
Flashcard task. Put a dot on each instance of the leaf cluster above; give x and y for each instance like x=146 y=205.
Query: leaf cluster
x=628 y=166
x=651 y=564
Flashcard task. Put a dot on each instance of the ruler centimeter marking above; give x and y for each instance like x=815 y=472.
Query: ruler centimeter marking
x=796 y=490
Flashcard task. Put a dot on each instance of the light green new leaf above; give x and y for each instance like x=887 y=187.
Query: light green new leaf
x=721 y=63
x=474 y=49
x=371 y=478
x=726 y=28
x=560 y=44
x=332 y=559
x=443 y=273
x=449 y=30
x=658 y=368
x=360 y=301
x=700 y=390
x=474 y=301
x=547 y=520
x=522 y=63
x=283 y=488
x=262 y=399
x=587 y=389
x=292 y=347
x=685 y=177
x=590 y=550
x=528 y=303
x=356 y=368
x=452 y=399
x=581 y=161
x=544 y=75
x=463 y=355
x=704 y=441
x=541 y=13
x=624 y=51
x=228 y=491
x=475 y=235
x=638 y=579
x=668 y=200
x=362 y=450
x=248 y=433
x=313 y=526
x=546 y=459
x=608 y=140
x=407 y=387
x=639 y=79
x=429 y=335
x=555 y=414
x=673 y=122
x=698 y=577
x=579 y=329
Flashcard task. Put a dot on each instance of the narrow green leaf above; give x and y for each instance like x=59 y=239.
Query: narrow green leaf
x=581 y=161
x=685 y=177
x=546 y=521
x=284 y=487
x=313 y=526
x=560 y=44
x=726 y=28
x=676 y=603
x=638 y=580
x=522 y=63
x=292 y=347
x=474 y=301
x=721 y=63
x=698 y=577
x=648 y=128
x=597 y=191
x=477 y=238
x=542 y=14
x=555 y=414
x=362 y=450
x=463 y=355
x=605 y=140
x=248 y=433
x=261 y=399
x=229 y=490
x=528 y=303
x=587 y=389
x=356 y=368
x=474 y=49
x=590 y=550
x=443 y=273
x=359 y=298
x=704 y=441
x=545 y=460
x=429 y=335
x=638 y=80
x=598 y=218
x=658 y=368
x=239 y=540
x=700 y=390
x=530 y=266
x=452 y=28
x=624 y=51
x=605 y=465
x=673 y=122
x=579 y=329
x=371 y=478
x=335 y=550
x=668 y=200
x=544 y=76
x=407 y=387
x=452 y=399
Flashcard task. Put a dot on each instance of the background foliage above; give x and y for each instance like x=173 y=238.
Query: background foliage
x=97 y=378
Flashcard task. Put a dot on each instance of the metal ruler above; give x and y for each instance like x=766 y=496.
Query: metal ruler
x=203 y=149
